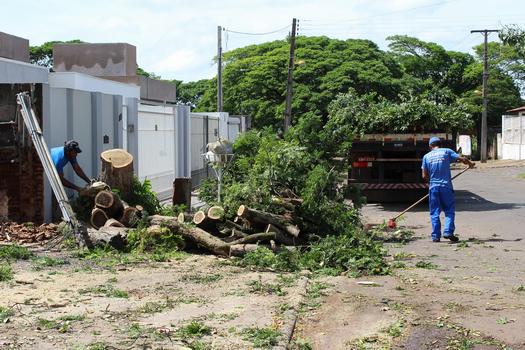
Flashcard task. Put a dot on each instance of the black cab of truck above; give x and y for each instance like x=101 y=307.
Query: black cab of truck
x=387 y=167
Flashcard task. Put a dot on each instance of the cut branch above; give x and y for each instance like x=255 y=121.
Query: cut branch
x=263 y=218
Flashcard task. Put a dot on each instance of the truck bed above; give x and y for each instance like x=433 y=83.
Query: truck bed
x=387 y=168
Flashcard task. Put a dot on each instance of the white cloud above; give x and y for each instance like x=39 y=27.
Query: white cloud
x=177 y=61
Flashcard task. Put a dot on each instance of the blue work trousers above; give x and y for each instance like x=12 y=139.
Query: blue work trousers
x=442 y=198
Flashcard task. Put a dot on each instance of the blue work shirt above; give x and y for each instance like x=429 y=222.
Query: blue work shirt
x=437 y=164
x=60 y=160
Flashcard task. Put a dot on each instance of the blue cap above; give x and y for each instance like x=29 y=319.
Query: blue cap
x=433 y=139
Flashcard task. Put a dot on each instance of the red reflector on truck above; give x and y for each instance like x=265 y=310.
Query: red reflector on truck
x=361 y=164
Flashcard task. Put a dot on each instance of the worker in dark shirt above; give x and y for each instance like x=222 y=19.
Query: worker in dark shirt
x=68 y=154
x=436 y=169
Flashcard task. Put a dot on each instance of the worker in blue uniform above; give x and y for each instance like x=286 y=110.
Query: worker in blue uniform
x=68 y=154
x=436 y=170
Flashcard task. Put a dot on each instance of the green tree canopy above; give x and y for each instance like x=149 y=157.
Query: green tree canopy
x=254 y=80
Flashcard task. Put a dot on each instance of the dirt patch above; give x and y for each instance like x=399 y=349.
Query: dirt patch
x=192 y=301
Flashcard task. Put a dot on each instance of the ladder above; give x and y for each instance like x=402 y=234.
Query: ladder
x=68 y=215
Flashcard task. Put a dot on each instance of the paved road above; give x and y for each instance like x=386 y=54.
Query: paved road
x=488 y=201
x=482 y=275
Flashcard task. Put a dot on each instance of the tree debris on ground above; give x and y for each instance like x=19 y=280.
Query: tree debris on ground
x=26 y=232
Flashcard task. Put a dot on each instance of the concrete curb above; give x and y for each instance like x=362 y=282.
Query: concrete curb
x=290 y=316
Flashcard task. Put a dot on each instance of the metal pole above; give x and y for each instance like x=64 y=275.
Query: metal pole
x=485 y=32
x=219 y=69
x=289 y=81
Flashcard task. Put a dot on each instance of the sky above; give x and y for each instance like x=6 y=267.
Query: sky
x=177 y=39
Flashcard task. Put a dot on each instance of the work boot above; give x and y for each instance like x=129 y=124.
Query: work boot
x=452 y=238
x=436 y=240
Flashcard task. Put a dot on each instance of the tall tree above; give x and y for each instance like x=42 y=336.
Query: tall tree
x=42 y=55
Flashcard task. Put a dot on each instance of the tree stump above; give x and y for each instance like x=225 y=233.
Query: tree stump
x=117 y=170
x=182 y=192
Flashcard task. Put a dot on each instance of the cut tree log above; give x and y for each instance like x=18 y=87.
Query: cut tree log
x=114 y=236
x=201 y=220
x=98 y=218
x=117 y=170
x=113 y=223
x=110 y=203
x=256 y=237
x=130 y=216
x=263 y=218
x=216 y=213
x=184 y=218
x=182 y=192
x=281 y=236
x=194 y=234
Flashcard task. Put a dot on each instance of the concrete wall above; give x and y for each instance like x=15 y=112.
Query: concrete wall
x=91 y=118
x=14 y=47
x=513 y=136
x=157 y=147
x=157 y=90
x=101 y=60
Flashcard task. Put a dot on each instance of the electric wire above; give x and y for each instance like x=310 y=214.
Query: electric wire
x=264 y=33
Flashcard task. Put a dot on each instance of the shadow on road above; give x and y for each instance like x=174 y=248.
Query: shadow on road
x=465 y=201
x=468 y=201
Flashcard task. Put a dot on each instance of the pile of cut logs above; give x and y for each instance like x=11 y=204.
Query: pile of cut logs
x=211 y=231
x=111 y=211
x=111 y=218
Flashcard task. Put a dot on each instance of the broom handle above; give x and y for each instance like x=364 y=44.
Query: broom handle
x=426 y=196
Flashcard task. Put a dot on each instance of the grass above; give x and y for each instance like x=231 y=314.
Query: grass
x=204 y=279
x=107 y=290
x=260 y=287
x=14 y=252
x=42 y=262
x=314 y=292
x=136 y=331
x=72 y=318
x=301 y=344
x=261 y=337
x=62 y=324
x=6 y=273
x=426 y=265
x=5 y=313
x=502 y=320
x=395 y=330
x=194 y=329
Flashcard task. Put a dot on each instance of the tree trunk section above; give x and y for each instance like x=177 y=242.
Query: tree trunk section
x=129 y=217
x=280 y=236
x=117 y=170
x=113 y=223
x=193 y=234
x=182 y=192
x=216 y=213
x=110 y=203
x=260 y=217
x=114 y=236
x=184 y=218
x=98 y=218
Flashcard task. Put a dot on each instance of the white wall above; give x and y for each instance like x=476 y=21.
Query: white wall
x=513 y=136
x=156 y=139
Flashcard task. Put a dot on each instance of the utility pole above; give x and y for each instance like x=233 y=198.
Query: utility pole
x=219 y=69
x=289 y=82
x=485 y=32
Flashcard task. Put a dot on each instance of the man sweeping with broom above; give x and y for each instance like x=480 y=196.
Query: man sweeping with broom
x=436 y=169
